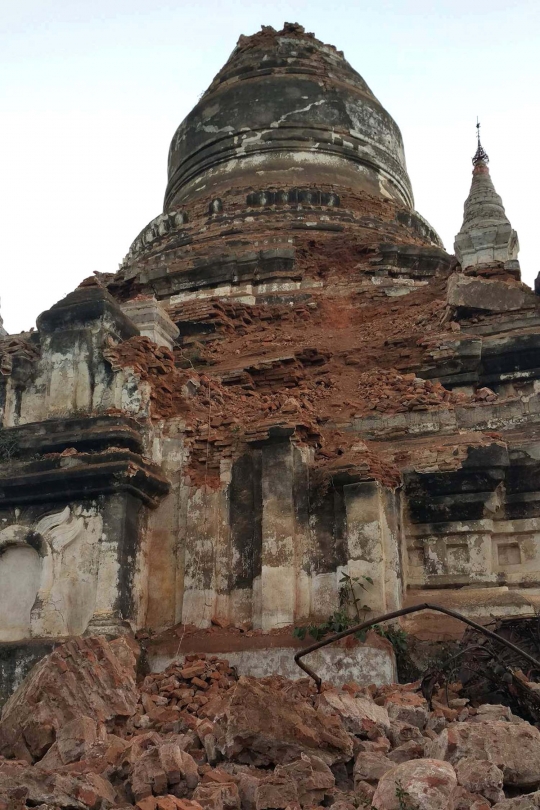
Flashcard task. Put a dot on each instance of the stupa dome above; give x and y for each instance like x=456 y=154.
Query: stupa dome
x=292 y=107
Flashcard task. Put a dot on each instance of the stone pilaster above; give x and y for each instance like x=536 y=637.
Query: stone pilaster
x=373 y=544
x=278 y=574
x=245 y=518
x=163 y=537
x=200 y=537
x=116 y=604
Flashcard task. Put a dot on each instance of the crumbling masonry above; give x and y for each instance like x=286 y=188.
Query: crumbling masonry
x=288 y=379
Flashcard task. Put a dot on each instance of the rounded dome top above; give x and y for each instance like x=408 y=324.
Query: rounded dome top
x=292 y=108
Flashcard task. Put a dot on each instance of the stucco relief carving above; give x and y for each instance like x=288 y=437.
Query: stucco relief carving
x=48 y=574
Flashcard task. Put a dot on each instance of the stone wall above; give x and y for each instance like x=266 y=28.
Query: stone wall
x=74 y=483
x=267 y=548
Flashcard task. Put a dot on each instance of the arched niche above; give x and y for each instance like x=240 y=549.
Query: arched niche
x=21 y=568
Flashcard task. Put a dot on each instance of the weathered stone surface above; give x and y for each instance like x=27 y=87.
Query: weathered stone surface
x=486 y=234
x=369 y=662
x=364 y=793
x=370 y=767
x=76 y=738
x=312 y=776
x=400 y=733
x=464 y=800
x=127 y=650
x=178 y=765
x=493 y=712
x=158 y=767
x=348 y=106
x=83 y=677
x=407 y=750
x=273 y=791
x=152 y=321
x=480 y=776
x=248 y=785
x=359 y=714
x=427 y=784
x=265 y=724
x=33 y=788
x=529 y=802
x=514 y=748
x=407 y=707
x=223 y=796
x=168 y=802
x=341 y=805
x=483 y=294
x=378 y=745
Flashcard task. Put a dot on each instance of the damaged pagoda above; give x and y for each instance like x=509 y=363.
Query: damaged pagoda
x=288 y=380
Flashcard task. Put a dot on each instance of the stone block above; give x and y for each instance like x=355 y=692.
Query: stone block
x=468 y=292
x=223 y=796
x=408 y=707
x=100 y=688
x=425 y=784
x=481 y=776
x=371 y=766
x=278 y=727
x=312 y=777
x=359 y=714
x=512 y=747
x=152 y=321
x=76 y=738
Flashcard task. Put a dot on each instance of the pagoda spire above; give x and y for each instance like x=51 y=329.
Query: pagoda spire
x=486 y=235
x=480 y=156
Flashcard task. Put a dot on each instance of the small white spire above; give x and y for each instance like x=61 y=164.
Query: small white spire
x=486 y=234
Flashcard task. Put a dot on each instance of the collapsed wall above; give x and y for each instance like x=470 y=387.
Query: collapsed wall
x=198 y=737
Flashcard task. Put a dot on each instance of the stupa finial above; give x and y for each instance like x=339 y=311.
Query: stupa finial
x=480 y=156
x=486 y=235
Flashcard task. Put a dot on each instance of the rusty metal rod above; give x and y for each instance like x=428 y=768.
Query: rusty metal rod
x=395 y=615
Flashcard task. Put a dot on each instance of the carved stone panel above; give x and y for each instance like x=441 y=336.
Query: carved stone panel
x=48 y=574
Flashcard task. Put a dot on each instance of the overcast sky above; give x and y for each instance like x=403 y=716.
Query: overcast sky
x=91 y=92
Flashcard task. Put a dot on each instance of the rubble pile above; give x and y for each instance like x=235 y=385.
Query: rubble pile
x=189 y=686
x=243 y=405
x=240 y=371
x=82 y=734
x=201 y=321
x=390 y=392
x=154 y=364
x=338 y=457
x=17 y=347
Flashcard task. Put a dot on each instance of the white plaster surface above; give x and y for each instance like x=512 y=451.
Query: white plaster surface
x=364 y=665
x=20 y=573
x=53 y=592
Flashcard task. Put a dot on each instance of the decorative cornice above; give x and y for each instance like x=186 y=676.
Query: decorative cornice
x=67 y=459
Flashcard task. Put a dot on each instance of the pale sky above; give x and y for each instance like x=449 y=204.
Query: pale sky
x=91 y=92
